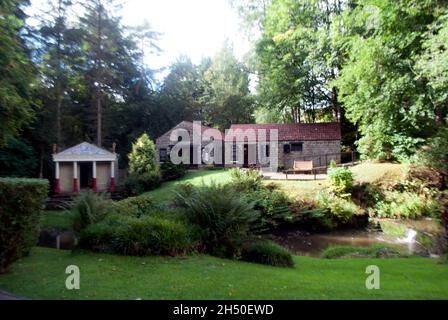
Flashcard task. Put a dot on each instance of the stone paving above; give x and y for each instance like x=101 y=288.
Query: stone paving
x=282 y=176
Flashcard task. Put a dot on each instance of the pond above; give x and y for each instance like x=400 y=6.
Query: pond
x=313 y=244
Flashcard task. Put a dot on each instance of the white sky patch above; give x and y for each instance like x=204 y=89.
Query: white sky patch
x=196 y=28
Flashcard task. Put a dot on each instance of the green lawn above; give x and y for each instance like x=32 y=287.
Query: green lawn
x=165 y=191
x=42 y=275
x=365 y=172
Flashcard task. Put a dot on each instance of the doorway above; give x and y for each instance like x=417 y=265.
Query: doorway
x=246 y=156
x=85 y=175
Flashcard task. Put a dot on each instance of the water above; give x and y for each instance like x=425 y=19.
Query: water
x=313 y=244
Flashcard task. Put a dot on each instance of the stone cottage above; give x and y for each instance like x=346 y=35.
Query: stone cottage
x=317 y=142
x=196 y=147
x=85 y=166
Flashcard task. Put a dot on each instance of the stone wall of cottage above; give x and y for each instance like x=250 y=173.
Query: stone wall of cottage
x=317 y=151
x=320 y=152
x=164 y=142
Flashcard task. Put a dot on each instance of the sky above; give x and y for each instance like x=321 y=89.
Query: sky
x=196 y=28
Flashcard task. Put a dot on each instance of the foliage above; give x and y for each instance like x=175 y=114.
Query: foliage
x=435 y=154
x=297 y=58
x=273 y=206
x=245 y=180
x=367 y=194
x=171 y=171
x=342 y=210
x=137 y=184
x=431 y=64
x=90 y=207
x=223 y=220
x=226 y=95
x=267 y=252
x=147 y=235
x=375 y=251
x=142 y=159
x=341 y=180
x=16 y=71
x=134 y=206
x=21 y=201
x=420 y=178
x=143 y=167
x=378 y=84
x=407 y=205
x=310 y=216
x=17 y=158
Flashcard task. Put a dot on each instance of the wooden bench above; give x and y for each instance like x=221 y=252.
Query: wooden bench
x=301 y=167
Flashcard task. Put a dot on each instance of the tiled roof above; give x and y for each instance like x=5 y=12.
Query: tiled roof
x=292 y=131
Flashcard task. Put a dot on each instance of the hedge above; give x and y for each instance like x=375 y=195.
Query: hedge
x=21 y=201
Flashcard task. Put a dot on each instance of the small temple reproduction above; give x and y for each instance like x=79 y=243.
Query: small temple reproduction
x=85 y=166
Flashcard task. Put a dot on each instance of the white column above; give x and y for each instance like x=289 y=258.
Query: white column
x=75 y=170
x=94 y=169
x=112 y=176
x=75 y=176
x=57 y=185
x=57 y=170
x=112 y=169
x=94 y=186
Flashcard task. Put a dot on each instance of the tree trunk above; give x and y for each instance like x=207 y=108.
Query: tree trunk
x=99 y=119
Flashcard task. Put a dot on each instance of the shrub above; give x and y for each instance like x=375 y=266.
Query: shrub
x=367 y=194
x=134 y=206
x=375 y=251
x=151 y=236
x=245 y=180
x=267 y=252
x=90 y=207
x=420 y=178
x=142 y=159
x=435 y=154
x=342 y=210
x=148 y=235
x=341 y=179
x=310 y=217
x=137 y=184
x=21 y=201
x=143 y=167
x=272 y=204
x=171 y=171
x=223 y=219
x=407 y=205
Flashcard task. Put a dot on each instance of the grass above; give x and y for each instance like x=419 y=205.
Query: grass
x=375 y=251
x=57 y=219
x=42 y=275
x=365 y=172
x=165 y=191
x=377 y=172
